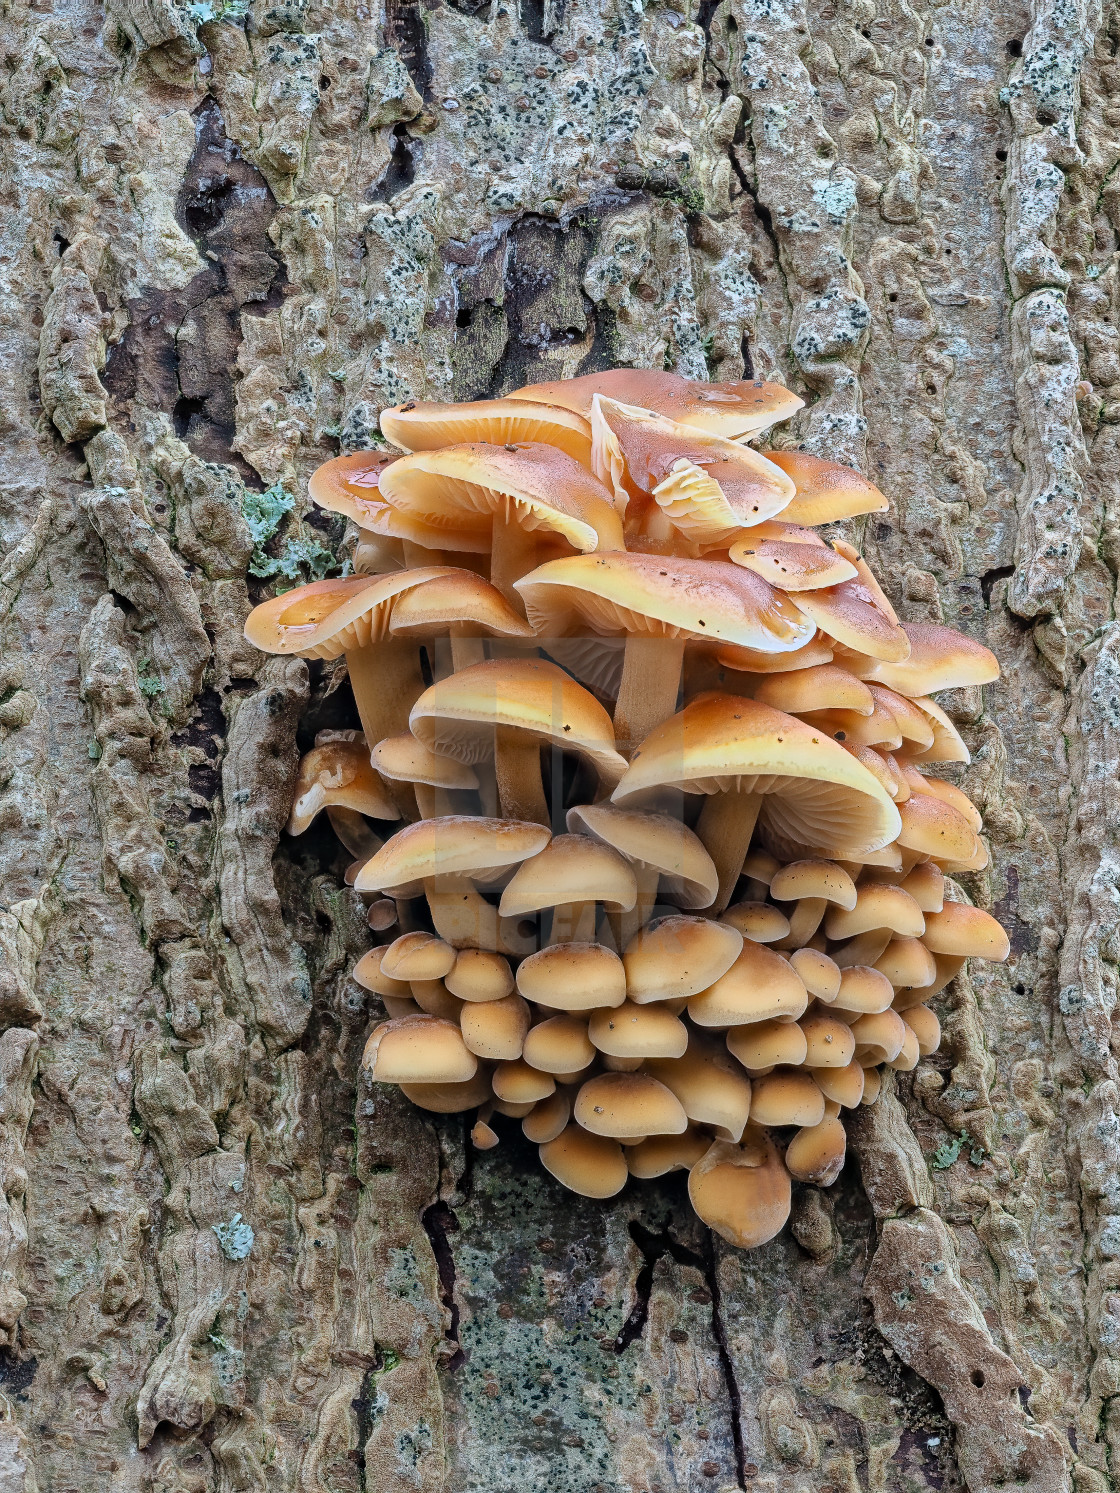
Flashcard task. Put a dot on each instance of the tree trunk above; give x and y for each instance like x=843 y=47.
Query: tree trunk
x=231 y=1263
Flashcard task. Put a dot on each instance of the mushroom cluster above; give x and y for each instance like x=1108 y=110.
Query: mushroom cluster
x=669 y=882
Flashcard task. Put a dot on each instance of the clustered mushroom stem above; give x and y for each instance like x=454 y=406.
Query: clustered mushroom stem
x=725 y=826
x=386 y=680
x=517 y=763
x=465 y=650
x=804 y=922
x=426 y=800
x=632 y=922
x=647 y=695
x=513 y=554
x=416 y=555
x=352 y=829
x=463 y=918
x=573 y=922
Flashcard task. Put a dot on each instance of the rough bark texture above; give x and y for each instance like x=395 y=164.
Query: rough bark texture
x=228 y=240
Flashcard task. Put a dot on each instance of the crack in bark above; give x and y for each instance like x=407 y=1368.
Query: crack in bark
x=653 y=1247
x=439 y=1220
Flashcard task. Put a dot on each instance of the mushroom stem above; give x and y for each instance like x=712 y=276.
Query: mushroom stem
x=517 y=763
x=464 y=919
x=353 y=831
x=725 y=827
x=416 y=555
x=387 y=682
x=647 y=695
x=804 y=921
x=573 y=922
x=466 y=649
x=632 y=922
x=513 y=553
x=426 y=800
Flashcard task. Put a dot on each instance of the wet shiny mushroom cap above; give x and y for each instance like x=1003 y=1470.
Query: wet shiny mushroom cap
x=328 y=618
x=454 y=845
x=419 y=1049
x=814 y=791
x=461 y=600
x=657 y=841
x=661 y=596
x=417 y=956
x=570 y=868
x=526 y=484
x=573 y=977
x=424 y=425
x=727 y=409
x=939 y=658
x=457 y=716
x=826 y=491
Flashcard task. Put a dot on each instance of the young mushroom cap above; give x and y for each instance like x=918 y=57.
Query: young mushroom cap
x=678 y=957
x=828 y=1042
x=851 y=615
x=926 y=1028
x=659 y=1154
x=417 y=956
x=939 y=658
x=822 y=879
x=368 y=973
x=419 y=1049
x=559 y=1045
x=824 y=687
x=711 y=1086
x=547 y=1118
x=926 y=884
x=742 y=1191
x=423 y=425
x=405 y=760
x=818 y=973
x=920 y=783
x=913 y=724
x=876 y=906
x=787 y=1096
x=337 y=774
x=628 y=1105
x=570 y=868
x=573 y=977
x=456 y=844
x=458 y=715
x=433 y=996
x=907 y=963
x=758 y=921
x=592 y=1165
x=791 y=564
x=518 y=1083
x=329 y=618
x=816 y=1153
x=631 y=1031
x=826 y=491
x=744 y=663
x=759 y=986
x=879 y=1036
x=842 y=1086
x=948 y=745
x=479 y=975
x=933 y=827
x=862 y=989
x=495 y=1029
x=461 y=602
x=662 y=596
x=728 y=409
x=764 y=1044
x=908 y=1056
x=658 y=842
x=961 y=930
x=449 y=1098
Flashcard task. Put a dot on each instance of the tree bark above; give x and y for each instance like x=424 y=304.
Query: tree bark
x=228 y=1261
